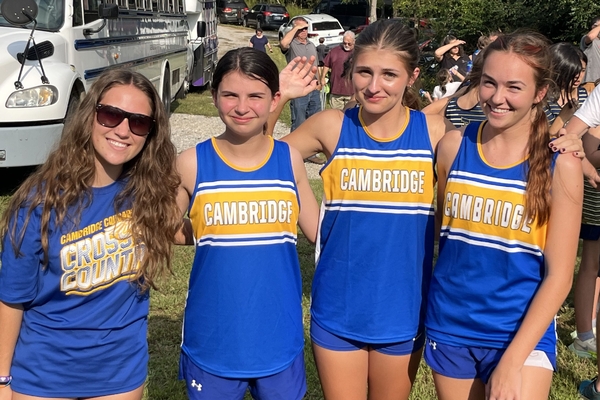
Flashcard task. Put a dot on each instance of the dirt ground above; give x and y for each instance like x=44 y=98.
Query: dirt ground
x=234 y=36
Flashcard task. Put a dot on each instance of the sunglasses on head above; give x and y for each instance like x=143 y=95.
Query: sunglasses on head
x=109 y=116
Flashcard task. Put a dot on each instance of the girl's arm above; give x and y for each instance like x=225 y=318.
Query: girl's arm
x=565 y=115
x=11 y=316
x=437 y=107
x=309 y=210
x=440 y=51
x=437 y=126
x=187 y=168
x=559 y=254
x=591 y=143
x=457 y=74
x=447 y=149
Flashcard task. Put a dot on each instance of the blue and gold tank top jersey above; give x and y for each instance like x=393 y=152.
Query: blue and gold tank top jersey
x=243 y=315
x=491 y=260
x=376 y=234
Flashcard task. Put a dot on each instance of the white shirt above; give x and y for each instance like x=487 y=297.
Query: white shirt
x=451 y=88
x=589 y=112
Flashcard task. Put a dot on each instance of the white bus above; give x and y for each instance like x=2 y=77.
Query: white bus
x=71 y=42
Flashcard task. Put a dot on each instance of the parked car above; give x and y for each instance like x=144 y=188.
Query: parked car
x=266 y=16
x=231 y=11
x=319 y=26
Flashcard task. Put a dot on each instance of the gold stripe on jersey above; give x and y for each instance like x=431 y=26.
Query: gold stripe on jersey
x=490 y=212
x=376 y=179
x=242 y=169
x=238 y=212
x=392 y=138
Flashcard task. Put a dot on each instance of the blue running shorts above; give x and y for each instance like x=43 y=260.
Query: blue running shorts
x=329 y=341
x=289 y=384
x=476 y=362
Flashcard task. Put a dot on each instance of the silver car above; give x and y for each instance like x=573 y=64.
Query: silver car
x=319 y=26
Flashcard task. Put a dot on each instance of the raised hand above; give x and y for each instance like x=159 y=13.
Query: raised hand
x=297 y=79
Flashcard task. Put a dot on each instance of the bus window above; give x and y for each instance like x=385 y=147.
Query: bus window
x=90 y=11
x=77 y=13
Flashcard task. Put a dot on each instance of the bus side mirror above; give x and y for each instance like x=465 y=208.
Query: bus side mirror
x=108 y=11
x=201 y=29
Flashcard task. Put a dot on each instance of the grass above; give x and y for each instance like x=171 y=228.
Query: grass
x=164 y=336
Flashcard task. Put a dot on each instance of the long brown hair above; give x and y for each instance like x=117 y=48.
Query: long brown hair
x=533 y=49
x=394 y=36
x=61 y=187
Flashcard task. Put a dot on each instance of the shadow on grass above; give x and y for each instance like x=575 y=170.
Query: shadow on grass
x=12 y=178
x=164 y=340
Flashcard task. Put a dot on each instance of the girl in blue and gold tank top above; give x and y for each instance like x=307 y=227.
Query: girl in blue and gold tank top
x=245 y=194
x=375 y=245
x=509 y=212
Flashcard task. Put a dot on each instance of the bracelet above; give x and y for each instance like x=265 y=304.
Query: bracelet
x=5 y=381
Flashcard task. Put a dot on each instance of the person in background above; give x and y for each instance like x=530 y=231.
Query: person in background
x=341 y=88
x=586 y=117
x=83 y=239
x=463 y=107
x=260 y=42
x=590 y=44
x=294 y=44
x=321 y=50
x=482 y=42
x=446 y=86
x=451 y=54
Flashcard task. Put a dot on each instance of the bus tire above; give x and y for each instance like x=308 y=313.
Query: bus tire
x=166 y=91
x=74 y=99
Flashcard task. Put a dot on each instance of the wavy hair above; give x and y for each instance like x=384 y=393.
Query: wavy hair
x=533 y=49
x=394 y=36
x=62 y=185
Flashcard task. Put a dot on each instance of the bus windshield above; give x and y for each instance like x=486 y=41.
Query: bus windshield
x=50 y=15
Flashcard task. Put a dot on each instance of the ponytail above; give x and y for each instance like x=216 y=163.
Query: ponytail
x=539 y=177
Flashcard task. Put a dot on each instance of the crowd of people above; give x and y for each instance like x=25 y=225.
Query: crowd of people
x=95 y=226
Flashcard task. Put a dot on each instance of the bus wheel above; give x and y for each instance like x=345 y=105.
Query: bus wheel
x=166 y=92
x=74 y=100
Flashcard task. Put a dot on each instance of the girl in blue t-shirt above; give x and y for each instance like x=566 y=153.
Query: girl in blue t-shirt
x=83 y=239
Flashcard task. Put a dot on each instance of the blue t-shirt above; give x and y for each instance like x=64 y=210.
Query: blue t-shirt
x=84 y=323
x=259 y=43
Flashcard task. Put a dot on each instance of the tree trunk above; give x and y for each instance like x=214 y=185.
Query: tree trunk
x=373 y=16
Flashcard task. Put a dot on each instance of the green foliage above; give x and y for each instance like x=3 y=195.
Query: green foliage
x=559 y=20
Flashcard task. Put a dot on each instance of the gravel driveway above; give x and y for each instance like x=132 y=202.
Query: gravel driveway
x=187 y=130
